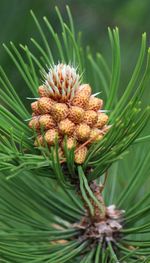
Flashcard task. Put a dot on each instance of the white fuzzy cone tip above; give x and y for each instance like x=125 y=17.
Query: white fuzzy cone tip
x=62 y=81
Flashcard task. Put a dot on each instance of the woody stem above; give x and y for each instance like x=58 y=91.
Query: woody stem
x=92 y=198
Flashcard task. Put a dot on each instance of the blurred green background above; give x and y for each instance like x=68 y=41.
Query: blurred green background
x=91 y=17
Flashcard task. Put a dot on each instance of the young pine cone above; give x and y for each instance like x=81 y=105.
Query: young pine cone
x=66 y=127
x=34 y=123
x=45 y=105
x=90 y=117
x=76 y=114
x=66 y=108
x=59 y=111
x=102 y=120
x=80 y=155
x=95 y=135
x=51 y=136
x=95 y=104
x=69 y=142
x=82 y=132
x=46 y=122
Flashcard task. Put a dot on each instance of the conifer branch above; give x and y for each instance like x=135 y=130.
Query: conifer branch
x=53 y=207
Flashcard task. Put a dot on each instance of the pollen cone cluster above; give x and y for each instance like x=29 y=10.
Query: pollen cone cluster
x=67 y=111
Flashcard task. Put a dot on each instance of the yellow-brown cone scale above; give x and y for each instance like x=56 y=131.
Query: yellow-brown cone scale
x=69 y=114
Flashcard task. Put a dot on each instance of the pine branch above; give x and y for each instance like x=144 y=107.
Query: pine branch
x=51 y=210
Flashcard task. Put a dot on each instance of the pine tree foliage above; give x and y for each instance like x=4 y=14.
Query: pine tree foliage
x=39 y=203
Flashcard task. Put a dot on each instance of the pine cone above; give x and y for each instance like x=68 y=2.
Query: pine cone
x=34 y=123
x=102 y=120
x=80 y=155
x=51 y=136
x=95 y=135
x=46 y=122
x=80 y=100
x=66 y=108
x=82 y=132
x=66 y=127
x=76 y=114
x=84 y=89
x=45 y=105
x=43 y=91
x=90 y=117
x=95 y=104
x=59 y=111
x=35 y=107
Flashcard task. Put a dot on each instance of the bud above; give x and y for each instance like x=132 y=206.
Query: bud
x=66 y=127
x=51 y=136
x=82 y=96
x=76 y=114
x=95 y=104
x=45 y=105
x=80 y=155
x=82 y=132
x=62 y=81
x=59 y=111
x=84 y=89
x=95 y=135
x=102 y=120
x=46 y=122
x=90 y=117
x=43 y=92
x=35 y=107
x=80 y=100
x=34 y=123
